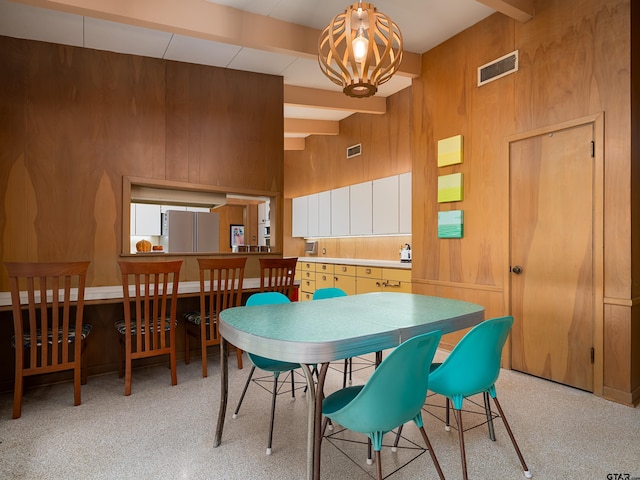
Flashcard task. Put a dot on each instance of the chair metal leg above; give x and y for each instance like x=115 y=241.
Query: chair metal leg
x=447 y=419
x=527 y=473
x=431 y=452
x=487 y=409
x=244 y=391
x=463 y=456
x=379 y=461
x=344 y=375
x=394 y=448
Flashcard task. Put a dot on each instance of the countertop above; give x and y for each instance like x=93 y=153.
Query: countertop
x=358 y=261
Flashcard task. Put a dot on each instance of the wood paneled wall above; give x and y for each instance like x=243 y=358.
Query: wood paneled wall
x=74 y=121
x=575 y=60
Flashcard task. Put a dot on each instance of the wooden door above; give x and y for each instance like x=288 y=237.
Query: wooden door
x=552 y=279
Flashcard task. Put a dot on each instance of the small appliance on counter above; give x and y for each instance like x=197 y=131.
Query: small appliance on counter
x=405 y=253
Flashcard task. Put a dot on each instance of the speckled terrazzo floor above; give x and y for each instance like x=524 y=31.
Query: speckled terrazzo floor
x=165 y=432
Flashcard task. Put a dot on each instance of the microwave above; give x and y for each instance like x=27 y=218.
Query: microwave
x=267 y=231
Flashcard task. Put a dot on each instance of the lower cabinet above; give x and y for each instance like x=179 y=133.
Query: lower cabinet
x=344 y=277
x=353 y=279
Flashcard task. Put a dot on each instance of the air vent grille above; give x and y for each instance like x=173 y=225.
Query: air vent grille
x=498 y=68
x=354 y=150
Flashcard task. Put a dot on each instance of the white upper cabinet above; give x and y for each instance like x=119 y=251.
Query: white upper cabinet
x=378 y=207
x=404 y=185
x=145 y=219
x=385 y=205
x=361 y=206
x=340 y=212
x=312 y=216
x=299 y=217
x=324 y=214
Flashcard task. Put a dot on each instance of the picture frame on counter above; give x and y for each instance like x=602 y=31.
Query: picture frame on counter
x=236 y=235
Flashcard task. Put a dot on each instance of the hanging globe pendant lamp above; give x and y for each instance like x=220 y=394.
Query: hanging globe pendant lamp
x=360 y=49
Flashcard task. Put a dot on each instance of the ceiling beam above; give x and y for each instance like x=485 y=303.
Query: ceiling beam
x=332 y=100
x=311 y=127
x=294 y=144
x=210 y=21
x=520 y=10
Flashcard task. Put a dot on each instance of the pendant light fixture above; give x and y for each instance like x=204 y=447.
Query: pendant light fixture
x=360 y=49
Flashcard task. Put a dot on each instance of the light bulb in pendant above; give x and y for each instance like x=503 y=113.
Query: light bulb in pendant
x=360 y=46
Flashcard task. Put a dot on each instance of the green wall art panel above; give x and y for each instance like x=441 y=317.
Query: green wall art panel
x=450 y=188
x=450 y=224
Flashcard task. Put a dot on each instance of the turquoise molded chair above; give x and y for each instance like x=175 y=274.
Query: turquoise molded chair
x=274 y=366
x=472 y=368
x=393 y=395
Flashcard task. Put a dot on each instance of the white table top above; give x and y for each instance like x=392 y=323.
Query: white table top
x=114 y=292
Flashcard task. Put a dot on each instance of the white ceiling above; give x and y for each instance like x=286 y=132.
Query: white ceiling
x=423 y=23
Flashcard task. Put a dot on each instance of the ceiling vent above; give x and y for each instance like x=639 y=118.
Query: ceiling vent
x=354 y=150
x=498 y=68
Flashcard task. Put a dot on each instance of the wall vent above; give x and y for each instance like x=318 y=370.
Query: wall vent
x=498 y=68
x=354 y=150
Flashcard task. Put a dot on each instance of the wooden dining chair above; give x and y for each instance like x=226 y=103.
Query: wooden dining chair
x=220 y=288
x=49 y=333
x=278 y=275
x=150 y=294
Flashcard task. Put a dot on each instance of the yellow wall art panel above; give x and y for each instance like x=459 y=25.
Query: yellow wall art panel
x=450 y=151
x=450 y=188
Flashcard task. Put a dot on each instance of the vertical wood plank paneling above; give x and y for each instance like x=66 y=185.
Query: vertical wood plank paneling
x=74 y=121
x=447 y=103
x=584 y=53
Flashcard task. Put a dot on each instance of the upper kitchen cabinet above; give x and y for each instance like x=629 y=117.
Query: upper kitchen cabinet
x=379 y=207
x=145 y=219
x=340 y=212
x=361 y=208
x=385 y=205
x=324 y=214
x=312 y=216
x=300 y=217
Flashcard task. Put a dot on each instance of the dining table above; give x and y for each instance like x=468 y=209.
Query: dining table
x=322 y=331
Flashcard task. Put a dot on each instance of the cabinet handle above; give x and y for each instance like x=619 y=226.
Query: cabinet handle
x=368 y=271
x=387 y=283
x=344 y=269
x=335 y=279
x=324 y=278
x=324 y=267
x=378 y=284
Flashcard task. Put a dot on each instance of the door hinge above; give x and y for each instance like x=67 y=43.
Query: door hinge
x=593 y=355
x=593 y=149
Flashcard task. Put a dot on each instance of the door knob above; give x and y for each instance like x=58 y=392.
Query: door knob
x=517 y=269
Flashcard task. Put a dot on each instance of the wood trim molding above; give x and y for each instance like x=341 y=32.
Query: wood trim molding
x=622 y=302
x=468 y=286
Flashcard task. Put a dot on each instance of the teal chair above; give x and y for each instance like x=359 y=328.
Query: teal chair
x=472 y=368
x=393 y=395
x=274 y=366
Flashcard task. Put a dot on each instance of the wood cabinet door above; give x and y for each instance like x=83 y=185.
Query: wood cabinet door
x=552 y=279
